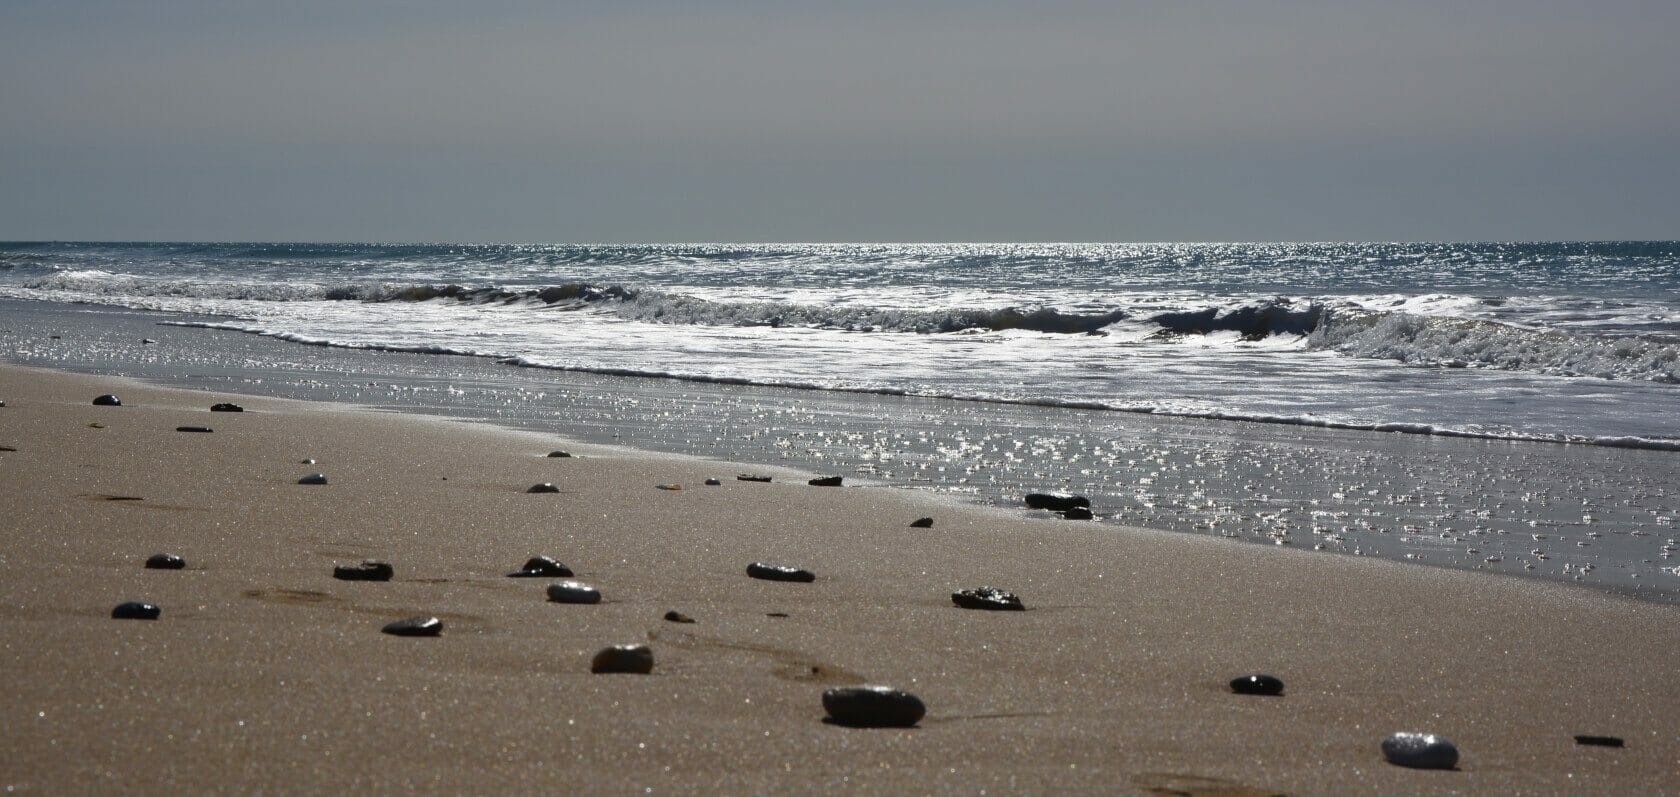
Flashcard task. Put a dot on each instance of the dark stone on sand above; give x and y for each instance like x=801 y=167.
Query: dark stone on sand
x=541 y=567
x=545 y=487
x=165 y=561
x=201 y=429
x=135 y=610
x=1056 y=502
x=415 y=626
x=635 y=659
x=1257 y=684
x=368 y=570
x=873 y=707
x=2 y=403
x=107 y=400
x=314 y=478
x=990 y=598
x=748 y=477
x=559 y=455
x=573 y=592
x=779 y=573
x=922 y=523
x=713 y=482
x=678 y=617
x=825 y=481
x=1420 y=751
x=226 y=407
x=1078 y=513
x=1600 y=741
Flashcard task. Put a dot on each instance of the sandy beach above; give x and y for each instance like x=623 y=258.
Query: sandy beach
x=264 y=673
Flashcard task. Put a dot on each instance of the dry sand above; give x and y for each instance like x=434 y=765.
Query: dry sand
x=264 y=673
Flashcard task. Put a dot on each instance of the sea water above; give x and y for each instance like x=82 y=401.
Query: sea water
x=990 y=369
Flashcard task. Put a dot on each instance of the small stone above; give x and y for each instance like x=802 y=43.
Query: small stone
x=573 y=592
x=671 y=487
x=990 y=598
x=226 y=407
x=1078 y=513
x=678 y=617
x=825 y=481
x=368 y=570
x=146 y=341
x=545 y=487
x=314 y=478
x=709 y=482
x=306 y=462
x=779 y=573
x=200 y=429
x=541 y=567
x=107 y=400
x=873 y=707
x=135 y=610
x=922 y=523
x=636 y=659
x=1600 y=741
x=748 y=477
x=1056 y=502
x=559 y=455
x=165 y=561
x=1420 y=751
x=2 y=403
x=415 y=626
x=1257 y=685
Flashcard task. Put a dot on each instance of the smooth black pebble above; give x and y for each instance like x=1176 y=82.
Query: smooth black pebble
x=542 y=567
x=779 y=573
x=873 y=707
x=226 y=407
x=415 y=626
x=990 y=598
x=107 y=400
x=1600 y=741
x=573 y=592
x=368 y=570
x=1056 y=502
x=559 y=455
x=1078 y=513
x=748 y=477
x=135 y=610
x=825 y=481
x=1257 y=685
x=713 y=483
x=313 y=478
x=202 y=429
x=922 y=523
x=545 y=487
x=165 y=561
x=678 y=617
x=1420 y=751
x=635 y=659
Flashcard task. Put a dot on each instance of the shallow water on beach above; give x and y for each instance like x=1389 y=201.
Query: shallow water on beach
x=1596 y=515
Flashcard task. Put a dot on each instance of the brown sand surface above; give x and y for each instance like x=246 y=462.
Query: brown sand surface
x=266 y=674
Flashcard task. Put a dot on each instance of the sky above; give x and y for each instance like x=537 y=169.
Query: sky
x=728 y=120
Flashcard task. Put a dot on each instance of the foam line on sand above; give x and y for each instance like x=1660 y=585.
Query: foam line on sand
x=266 y=673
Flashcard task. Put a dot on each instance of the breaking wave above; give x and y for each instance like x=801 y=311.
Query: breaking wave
x=1451 y=342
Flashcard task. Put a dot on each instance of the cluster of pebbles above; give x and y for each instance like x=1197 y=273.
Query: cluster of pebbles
x=872 y=706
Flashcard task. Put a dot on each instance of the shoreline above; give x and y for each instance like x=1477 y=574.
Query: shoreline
x=264 y=671
x=1596 y=513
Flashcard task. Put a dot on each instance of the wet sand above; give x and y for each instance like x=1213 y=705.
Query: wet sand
x=265 y=673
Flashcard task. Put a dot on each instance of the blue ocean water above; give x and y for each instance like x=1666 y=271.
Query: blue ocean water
x=1545 y=341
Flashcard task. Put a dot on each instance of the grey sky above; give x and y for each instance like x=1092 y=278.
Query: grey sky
x=683 y=121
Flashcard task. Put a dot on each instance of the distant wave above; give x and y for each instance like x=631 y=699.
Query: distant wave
x=1389 y=334
x=1659 y=444
x=1463 y=342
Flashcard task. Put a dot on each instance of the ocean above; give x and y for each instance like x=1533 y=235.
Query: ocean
x=1512 y=407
